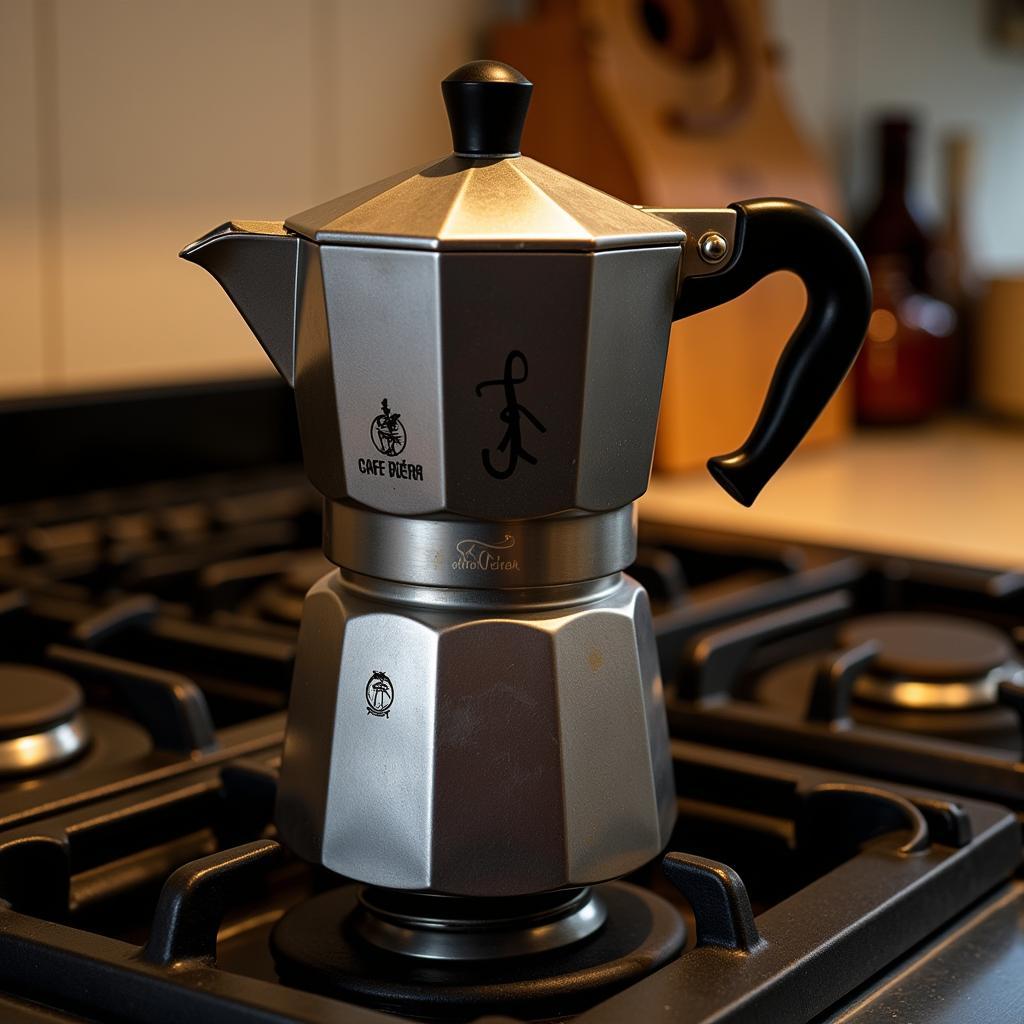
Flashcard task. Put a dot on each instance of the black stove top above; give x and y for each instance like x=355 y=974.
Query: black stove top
x=846 y=745
x=909 y=672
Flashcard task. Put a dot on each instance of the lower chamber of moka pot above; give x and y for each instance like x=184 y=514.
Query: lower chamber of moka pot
x=455 y=958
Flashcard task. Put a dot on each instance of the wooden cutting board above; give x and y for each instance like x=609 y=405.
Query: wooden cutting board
x=678 y=103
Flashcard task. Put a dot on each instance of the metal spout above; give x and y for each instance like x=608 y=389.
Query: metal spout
x=256 y=263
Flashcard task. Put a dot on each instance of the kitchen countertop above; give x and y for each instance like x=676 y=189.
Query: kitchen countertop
x=951 y=491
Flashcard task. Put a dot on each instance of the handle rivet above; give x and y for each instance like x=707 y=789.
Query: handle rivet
x=713 y=247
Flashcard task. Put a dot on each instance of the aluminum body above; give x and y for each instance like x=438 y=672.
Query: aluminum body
x=502 y=376
x=476 y=707
x=477 y=349
x=461 y=203
x=499 y=556
x=476 y=751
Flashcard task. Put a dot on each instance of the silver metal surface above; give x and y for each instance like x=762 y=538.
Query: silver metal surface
x=35 y=752
x=696 y=224
x=938 y=695
x=486 y=385
x=460 y=553
x=477 y=348
x=480 y=599
x=713 y=247
x=384 y=327
x=438 y=370
x=256 y=263
x=477 y=706
x=482 y=384
x=487 y=753
x=433 y=936
x=461 y=203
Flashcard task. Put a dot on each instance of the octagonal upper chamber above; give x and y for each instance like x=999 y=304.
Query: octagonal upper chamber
x=483 y=335
x=487 y=384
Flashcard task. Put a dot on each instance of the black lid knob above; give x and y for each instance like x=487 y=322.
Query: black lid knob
x=487 y=103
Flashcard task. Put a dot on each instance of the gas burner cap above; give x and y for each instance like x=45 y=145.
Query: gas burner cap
x=927 y=661
x=41 y=720
x=319 y=945
x=454 y=928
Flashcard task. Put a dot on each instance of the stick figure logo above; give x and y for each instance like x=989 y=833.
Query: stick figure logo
x=387 y=432
x=511 y=444
x=380 y=695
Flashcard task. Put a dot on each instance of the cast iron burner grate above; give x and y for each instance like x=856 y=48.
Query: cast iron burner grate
x=819 y=680
x=142 y=879
x=325 y=945
x=869 y=872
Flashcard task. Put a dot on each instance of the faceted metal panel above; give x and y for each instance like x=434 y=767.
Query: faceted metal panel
x=631 y=299
x=355 y=792
x=385 y=370
x=305 y=773
x=658 y=740
x=598 y=664
x=497 y=768
x=481 y=204
x=476 y=753
x=552 y=375
x=490 y=385
x=316 y=397
x=515 y=333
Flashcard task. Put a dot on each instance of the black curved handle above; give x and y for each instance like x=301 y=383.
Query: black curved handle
x=783 y=234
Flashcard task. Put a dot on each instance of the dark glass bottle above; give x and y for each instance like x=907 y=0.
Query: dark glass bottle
x=892 y=230
x=903 y=373
x=952 y=276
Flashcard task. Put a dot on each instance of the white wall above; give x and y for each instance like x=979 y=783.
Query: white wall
x=848 y=60
x=131 y=127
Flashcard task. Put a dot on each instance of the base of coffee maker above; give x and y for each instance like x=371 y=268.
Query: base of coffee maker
x=476 y=742
x=434 y=927
x=332 y=944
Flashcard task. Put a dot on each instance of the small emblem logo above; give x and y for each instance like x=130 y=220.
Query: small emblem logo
x=511 y=445
x=379 y=695
x=475 y=554
x=387 y=432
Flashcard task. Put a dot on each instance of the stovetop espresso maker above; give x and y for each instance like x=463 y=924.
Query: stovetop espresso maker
x=477 y=349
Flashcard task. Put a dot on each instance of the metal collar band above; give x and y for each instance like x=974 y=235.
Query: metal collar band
x=463 y=553
x=478 y=600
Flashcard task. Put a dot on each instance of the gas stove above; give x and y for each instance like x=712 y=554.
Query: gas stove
x=845 y=742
